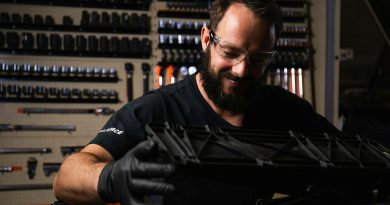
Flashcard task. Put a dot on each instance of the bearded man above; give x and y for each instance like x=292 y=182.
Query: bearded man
x=227 y=92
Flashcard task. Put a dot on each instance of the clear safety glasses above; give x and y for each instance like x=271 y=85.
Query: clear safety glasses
x=235 y=54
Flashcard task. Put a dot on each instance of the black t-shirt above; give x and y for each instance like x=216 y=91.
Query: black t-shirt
x=182 y=102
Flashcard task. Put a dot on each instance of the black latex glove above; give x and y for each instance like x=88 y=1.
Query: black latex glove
x=129 y=179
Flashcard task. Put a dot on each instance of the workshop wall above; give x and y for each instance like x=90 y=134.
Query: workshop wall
x=173 y=37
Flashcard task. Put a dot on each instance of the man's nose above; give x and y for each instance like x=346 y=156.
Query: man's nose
x=241 y=69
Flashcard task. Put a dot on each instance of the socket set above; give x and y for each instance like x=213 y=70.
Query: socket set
x=57 y=73
x=135 y=23
x=294 y=12
x=179 y=41
x=68 y=45
x=16 y=19
x=290 y=59
x=183 y=13
x=181 y=57
x=289 y=78
x=167 y=73
x=90 y=22
x=169 y=26
x=190 y=6
x=186 y=10
x=27 y=93
x=292 y=43
x=295 y=28
x=106 y=4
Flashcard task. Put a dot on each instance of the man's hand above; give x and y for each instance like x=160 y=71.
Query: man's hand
x=128 y=179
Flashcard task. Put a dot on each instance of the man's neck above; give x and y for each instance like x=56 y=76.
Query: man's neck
x=231 y=117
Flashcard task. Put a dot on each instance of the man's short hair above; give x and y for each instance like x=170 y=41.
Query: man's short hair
x=266 y=9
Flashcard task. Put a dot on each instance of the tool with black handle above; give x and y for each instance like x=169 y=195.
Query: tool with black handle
x=20 y=187
x=31 y=167
x=145 y=76
x=96 y=111
x=24 y=150
x=10 y=127
x=67 y=150
x=129 y=76
x=50 y=167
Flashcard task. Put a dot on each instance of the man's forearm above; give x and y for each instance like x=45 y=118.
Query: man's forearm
x=77 y=179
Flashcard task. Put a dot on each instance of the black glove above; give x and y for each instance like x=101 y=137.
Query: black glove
x=129 y=179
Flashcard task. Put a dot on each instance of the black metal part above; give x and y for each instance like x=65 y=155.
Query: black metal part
x=55 y=42
x=67 y=150
x=69 y=43
x=27 y=41
x=49 y=21
x=325 y=167
x=15 y=93
x=25 y=150
x=13 y=40
x=133 y=5
x=104 y=43
x=56 y=73
x=42 y=41
x=11 y=127
x=31 y=167
x=50 y=167
x=145 y=76
x=92 y=44
x=2 y=39
x=81 y=43
x=96 y=111
x=27 y=19
x=129 y=76
x=22 y=187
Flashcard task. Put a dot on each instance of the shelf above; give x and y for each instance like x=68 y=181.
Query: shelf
x=292 y=49
x=286 y=34
x=179 y=46
x=183 y=14
x=75 y=29
x=57 y=100
x=131 y=5
x=59 y=78
x=16 y=93
x=178 y=31
x=179 y=64
x=71 y=53
x=288 y=66
x=290 y=19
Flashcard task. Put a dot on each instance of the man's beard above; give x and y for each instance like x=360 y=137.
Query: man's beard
x=241 y=97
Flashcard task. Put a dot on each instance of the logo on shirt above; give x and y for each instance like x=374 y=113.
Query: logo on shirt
x=112 y=129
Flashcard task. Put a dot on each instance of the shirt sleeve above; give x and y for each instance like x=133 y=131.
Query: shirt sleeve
x=125 y=128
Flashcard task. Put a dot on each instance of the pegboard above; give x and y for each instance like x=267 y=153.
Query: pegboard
x=87 y=125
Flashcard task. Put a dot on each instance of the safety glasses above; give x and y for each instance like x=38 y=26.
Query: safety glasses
x=235 y=54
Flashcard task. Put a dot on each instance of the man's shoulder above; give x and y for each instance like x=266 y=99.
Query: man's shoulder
x=279 y=98
x=277 y=93
x=180 y=91
x=179 y=86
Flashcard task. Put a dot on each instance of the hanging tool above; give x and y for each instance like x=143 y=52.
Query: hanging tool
x=129 y=75
x=145 y=76
x=96 y=111
x=24 y=150
x=10 y=127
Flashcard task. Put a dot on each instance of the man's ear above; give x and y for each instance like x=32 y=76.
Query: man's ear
x=205 y=37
